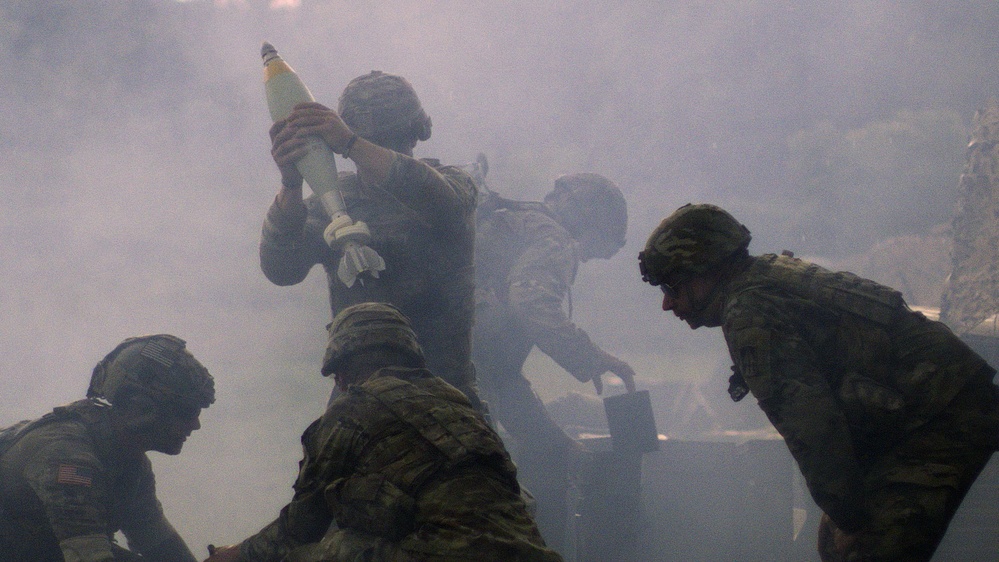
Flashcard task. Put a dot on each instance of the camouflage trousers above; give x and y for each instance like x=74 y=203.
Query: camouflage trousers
x=913 y=491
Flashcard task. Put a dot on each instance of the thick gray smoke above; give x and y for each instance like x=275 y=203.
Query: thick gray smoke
x=135 y=167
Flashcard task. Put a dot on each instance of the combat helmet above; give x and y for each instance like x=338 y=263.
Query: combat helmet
x=693 y=240
x=156 y=366
x=380 y=106
x=369 y=325
x=593 y=210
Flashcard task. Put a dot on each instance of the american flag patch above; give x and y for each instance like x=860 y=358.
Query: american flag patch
x=159 y=352
x=75 y=475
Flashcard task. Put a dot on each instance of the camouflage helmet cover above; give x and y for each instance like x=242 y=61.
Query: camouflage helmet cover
x=365 y=326
x=590 y=202
x=689 y=242
x=380 y=106
x=158 y=366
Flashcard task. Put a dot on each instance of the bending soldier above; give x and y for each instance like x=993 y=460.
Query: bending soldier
x=420 y=213
x=72 y=479
x=890 y=416
x=527 y=254
x=400 y=463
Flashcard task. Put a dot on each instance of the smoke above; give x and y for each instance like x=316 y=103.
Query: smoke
x=136 y=171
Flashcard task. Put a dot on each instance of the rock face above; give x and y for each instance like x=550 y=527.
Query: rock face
x=972 y=295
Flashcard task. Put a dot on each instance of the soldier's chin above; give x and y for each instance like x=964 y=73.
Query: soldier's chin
x=702 y=323
x=698 y=320
x=172 y=448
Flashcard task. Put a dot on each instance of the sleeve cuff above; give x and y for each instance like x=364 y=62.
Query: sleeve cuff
x=87 y=548
x=151 y=535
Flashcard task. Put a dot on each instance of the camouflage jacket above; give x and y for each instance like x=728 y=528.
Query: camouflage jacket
x=422 y=224
x=841 y=367
x=527 y=262
x=404 y=457
x=66 y=488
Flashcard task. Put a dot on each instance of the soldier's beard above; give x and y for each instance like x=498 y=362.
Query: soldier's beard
x=150 y=434
x=706 y=312
x=171 y=448
x=166 y=443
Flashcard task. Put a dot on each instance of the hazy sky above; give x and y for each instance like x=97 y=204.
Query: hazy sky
x=135 y=167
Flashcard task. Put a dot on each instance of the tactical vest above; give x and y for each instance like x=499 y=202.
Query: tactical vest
x=429 y=275
x=841 y=290
x=9 y=436
x=503 y=232
x=384 y=503
x=916 y=371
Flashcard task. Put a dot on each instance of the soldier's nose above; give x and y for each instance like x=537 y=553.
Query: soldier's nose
x=668 y=303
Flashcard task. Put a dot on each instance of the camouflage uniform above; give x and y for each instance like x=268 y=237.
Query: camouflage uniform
x=889 y=416
x=525 y=266
x=66 y=488
x=407 y=470
x=422 y=224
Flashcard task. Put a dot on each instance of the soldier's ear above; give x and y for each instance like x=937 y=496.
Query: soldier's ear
x=137 y=414
x=134 y=404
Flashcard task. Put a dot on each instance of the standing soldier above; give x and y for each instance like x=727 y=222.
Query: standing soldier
x=420 y=213
x=401 y=464
x=527 y=254
x=889 y=416
x=73 y=478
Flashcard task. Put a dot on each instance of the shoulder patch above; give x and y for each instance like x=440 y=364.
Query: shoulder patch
x=754 y=351
x=751 y=348
x=74 y=475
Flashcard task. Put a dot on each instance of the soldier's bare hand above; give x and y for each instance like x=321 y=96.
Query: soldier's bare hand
x=844 y=542
x=834 y=544
x=621 y=369
x=317 y=119
x=598 y=384
x=623 y=372
x=287 y=148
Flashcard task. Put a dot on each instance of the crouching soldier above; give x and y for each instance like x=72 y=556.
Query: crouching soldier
x=889 y=416
x=401 y=464
x=70 y=480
